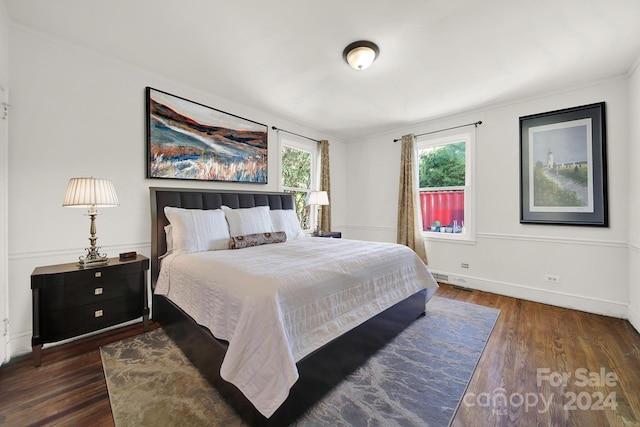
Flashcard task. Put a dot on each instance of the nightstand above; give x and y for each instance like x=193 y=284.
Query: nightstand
x=69 y=300
x=330 y=234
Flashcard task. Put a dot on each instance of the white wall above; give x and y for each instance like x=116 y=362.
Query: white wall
x=634 y=197
x=4 y=165
x=508 y=257
x=77 y=113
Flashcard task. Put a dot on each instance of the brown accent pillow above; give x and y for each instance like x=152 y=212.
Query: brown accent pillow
x=257 y=239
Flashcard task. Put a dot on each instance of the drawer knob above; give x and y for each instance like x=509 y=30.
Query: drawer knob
x=97 y=291
x=98 y=313
x=98 y=273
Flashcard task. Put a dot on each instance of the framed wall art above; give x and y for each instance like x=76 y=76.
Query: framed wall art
x=188 y=140
x=563 y=167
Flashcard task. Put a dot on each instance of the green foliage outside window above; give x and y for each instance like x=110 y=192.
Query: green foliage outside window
x=296 y=168
x=442 y=166
x=296 y=179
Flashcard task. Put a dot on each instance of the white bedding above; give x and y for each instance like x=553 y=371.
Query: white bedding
x=277 y=303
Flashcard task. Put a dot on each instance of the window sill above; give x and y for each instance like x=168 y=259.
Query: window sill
x=449 y=237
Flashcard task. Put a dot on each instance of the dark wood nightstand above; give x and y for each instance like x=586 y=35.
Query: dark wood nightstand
x=330 y=234
x=69 y=300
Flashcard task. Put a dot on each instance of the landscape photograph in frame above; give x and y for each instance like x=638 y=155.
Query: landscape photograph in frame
x=188 y=140
x=563 y=169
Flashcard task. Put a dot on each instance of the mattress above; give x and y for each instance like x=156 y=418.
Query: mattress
x=277 y=303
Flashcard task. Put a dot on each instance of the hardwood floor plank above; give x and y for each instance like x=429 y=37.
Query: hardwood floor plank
x=531 y=346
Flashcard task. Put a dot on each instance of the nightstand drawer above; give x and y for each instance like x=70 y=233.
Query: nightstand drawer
x=56 y=275
x=65 y=295
x=58 y=325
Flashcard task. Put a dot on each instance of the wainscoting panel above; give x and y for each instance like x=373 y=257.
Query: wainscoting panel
x=593 y=275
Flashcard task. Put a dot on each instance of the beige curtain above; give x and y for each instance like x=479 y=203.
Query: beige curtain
x=325 y=185
x=409 y=219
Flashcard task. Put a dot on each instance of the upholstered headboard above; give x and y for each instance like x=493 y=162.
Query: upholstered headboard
x=201 y=199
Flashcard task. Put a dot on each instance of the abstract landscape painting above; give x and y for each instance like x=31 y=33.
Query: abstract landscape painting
x=187 y=140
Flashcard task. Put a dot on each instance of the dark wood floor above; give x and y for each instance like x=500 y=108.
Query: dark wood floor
x=530 y=343
x=539 y=353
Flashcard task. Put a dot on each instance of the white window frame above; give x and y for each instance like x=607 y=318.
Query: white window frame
x=468 y=137
x=310 y=147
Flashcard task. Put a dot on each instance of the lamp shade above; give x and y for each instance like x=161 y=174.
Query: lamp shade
x=318 y=198
x=361 y=54
x=86 y=192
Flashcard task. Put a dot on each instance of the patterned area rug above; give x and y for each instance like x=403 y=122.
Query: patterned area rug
x=418 y=379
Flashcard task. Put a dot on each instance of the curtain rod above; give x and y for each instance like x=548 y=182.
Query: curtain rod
x=476 y=124
x=293 y=133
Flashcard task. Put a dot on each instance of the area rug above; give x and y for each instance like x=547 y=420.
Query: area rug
x=418 y=379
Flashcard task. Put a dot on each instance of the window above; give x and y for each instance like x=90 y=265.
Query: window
x=444 y=173
x=298 y=161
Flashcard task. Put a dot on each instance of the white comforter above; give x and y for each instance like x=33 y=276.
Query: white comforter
x=277 y=303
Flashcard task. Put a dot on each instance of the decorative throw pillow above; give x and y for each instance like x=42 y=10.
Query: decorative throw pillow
x=287 y=221
x=257 y=239
x=248 y=220
x=197 y=230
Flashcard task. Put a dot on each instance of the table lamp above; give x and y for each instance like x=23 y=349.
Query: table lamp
x=91 y=193
x=317 y=198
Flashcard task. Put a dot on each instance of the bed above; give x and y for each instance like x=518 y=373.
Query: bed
x=312 y=350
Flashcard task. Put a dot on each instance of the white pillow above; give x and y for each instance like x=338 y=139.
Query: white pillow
x=287 y=221
x=197 y=230
x=168 y=234
x=248 y=220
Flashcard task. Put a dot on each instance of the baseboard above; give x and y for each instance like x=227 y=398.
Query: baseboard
x=545 y=296
x=21 y=343
x=634 y=319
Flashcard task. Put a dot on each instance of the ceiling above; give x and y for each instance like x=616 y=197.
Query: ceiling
x=284 y=57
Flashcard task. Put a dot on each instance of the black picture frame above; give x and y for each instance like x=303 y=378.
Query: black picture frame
x=563 y=167
x=189 y=140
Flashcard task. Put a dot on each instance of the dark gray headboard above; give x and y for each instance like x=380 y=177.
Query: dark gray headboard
x=201 y=199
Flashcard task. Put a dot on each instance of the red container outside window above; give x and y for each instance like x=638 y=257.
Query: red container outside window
x=442 y=206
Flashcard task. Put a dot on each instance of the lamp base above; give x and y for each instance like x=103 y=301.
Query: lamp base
x=93 y=259
x=92 y=263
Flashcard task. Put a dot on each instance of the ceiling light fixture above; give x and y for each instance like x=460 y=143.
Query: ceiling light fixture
x=361 y=54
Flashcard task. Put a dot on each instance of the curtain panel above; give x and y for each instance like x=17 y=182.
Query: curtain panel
x=409 y=217
x=325 y=185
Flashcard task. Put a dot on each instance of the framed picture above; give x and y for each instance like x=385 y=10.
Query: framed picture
x=187 y=140
x=563 y=167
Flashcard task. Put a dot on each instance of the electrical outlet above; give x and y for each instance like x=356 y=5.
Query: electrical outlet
x=551 y=278
x=465 y=265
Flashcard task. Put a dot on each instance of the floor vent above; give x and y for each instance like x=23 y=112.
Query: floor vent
x=460 y=288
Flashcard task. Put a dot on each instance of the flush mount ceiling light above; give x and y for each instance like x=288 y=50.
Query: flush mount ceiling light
x=361 y=54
